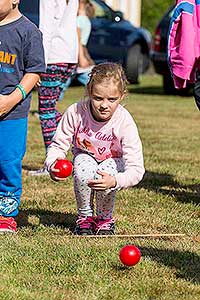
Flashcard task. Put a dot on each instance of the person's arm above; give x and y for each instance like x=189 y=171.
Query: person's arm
x=82 y=59
x=7 y=102
x=132 y=156
x=87 y=55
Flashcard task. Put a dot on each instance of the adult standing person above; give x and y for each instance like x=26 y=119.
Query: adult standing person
x=57 y=21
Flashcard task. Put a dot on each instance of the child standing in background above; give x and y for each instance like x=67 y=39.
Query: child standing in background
x=106 y=147
x=57 y=21
x=21 y=61
x=84 y=30
x=85 y=62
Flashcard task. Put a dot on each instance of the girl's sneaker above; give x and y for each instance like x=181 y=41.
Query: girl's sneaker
x=84 y=226
x=105 y=227
x=40 y=172
x=7 y=224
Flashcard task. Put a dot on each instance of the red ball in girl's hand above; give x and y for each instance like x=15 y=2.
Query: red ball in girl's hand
x=129 y=255
x=64 y=167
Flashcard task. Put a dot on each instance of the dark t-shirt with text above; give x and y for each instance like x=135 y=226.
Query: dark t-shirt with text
x=21 y=52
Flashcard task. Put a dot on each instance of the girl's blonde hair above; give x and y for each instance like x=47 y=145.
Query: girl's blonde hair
x=105 y=72
x=90 y=10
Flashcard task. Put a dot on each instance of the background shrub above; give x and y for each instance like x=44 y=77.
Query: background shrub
x=152 y=11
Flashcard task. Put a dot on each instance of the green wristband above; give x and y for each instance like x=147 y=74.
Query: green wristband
x=20 y=87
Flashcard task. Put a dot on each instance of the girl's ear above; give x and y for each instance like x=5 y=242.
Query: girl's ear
x=122 y=96
x=15 y=2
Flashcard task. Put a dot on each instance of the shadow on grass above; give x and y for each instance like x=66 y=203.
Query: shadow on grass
x=31 y=167
x=149 y=90
x=187 y=264
x=34 y=112
x=165 y=184
x=46 y=218
x=158 y=90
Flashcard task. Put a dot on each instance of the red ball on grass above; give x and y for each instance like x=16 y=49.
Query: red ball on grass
x=129 y=255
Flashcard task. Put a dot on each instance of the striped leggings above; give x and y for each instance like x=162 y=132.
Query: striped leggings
x=52 y=84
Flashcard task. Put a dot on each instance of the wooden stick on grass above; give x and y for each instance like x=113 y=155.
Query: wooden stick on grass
x=150 y=235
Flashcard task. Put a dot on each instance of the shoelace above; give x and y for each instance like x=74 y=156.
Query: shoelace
x=85 y=222
x=105 y=224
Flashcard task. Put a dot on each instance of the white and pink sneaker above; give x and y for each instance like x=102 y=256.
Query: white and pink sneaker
x=7 y=224
x=105 y=227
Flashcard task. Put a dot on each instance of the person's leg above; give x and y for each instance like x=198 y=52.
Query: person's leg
x=65 y=87
x=197 y=90
x=83 y=77
x=105 y=200
x=68 y=72
x=84 y=169
x=48 y=94
x=12 y=148
x=52 y=84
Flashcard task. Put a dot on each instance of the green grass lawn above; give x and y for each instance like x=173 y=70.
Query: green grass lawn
x=43 y=261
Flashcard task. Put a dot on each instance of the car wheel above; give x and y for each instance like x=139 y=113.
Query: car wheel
x=134 y=63
x=146 y=62
x=169 y=89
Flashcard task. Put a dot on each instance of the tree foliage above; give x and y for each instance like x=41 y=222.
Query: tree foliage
x=152 y=11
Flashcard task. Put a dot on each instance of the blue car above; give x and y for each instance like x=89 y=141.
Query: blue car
x=112 y=38
x=159 y=55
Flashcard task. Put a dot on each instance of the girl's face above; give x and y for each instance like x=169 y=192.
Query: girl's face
x=104 y=99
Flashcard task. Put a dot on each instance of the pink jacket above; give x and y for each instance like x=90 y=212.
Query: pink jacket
x=184 y=42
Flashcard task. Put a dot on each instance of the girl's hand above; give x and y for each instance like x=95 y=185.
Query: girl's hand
x=106 y=182
x=53 y=171
x=5 y=104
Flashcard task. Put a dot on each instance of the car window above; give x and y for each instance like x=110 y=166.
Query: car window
x=101 y=11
